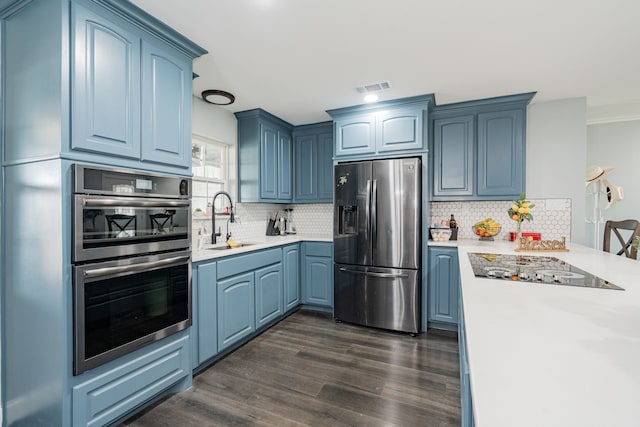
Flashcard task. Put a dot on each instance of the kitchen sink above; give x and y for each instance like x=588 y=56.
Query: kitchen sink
x=227 y=247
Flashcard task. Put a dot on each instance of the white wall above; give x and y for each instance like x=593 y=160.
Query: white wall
x=617 y=144
x=213 y=122
x=557 y=156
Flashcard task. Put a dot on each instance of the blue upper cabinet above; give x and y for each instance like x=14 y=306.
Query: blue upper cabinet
x=501 y=153
x=113 y=85
x=106 y=96
x=355 y=135
x=265 y=157
x=399 y=130
x=131 y=93
x=381 y=129
x=285 y=159
x=166 y=106
x=479 y=149
x=453 y=166
x=313 y=147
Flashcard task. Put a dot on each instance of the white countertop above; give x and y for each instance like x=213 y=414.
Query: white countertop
x=263 y=242
x=549 y=355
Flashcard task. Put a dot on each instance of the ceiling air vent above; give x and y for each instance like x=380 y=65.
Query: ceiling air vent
x=374 y=87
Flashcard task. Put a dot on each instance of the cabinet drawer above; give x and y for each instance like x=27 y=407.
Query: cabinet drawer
x=242 y=263
x=319 y=249
x=111 y=395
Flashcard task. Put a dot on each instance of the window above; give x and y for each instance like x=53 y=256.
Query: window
x=210 y=164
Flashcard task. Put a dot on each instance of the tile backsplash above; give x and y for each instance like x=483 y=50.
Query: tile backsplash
x=551 y=217
x=251 y=225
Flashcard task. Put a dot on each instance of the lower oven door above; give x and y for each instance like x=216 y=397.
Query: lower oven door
x=120 y=306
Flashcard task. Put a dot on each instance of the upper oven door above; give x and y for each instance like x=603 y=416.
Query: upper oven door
x=110 y=227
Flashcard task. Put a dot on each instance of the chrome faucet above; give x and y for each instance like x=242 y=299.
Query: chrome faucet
x=213 y=216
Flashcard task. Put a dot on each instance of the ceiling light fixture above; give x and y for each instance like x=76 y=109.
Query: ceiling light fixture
x=372 y=97
x=218 y=97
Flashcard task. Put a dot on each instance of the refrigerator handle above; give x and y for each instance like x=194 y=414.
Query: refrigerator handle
x=374 y=214
x=367 y=208
x=374 y=274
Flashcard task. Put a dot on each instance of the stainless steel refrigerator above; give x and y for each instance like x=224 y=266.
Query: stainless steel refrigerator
x=377 y=243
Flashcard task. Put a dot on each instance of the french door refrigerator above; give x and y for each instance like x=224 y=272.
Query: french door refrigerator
x=377 y=212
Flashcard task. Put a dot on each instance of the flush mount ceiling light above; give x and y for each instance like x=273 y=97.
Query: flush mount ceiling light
x=372 y=97
x=218 y=97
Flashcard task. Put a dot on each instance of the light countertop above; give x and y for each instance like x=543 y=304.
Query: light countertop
x=549 y=355
x=263 y=242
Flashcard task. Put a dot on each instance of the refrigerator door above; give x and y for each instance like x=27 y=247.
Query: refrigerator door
x=352 y=207
x=396 y=213
x=387 y=298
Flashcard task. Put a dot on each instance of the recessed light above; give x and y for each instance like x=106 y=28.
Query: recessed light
x=372 y=97
x=218 y=97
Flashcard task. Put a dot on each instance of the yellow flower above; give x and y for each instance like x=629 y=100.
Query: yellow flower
x=525 y=204
x=521 y=210
x=514 y=207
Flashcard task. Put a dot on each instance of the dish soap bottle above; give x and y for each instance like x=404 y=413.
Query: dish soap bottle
x=453 y=225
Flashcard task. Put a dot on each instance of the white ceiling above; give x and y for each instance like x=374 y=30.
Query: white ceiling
x=298 y=58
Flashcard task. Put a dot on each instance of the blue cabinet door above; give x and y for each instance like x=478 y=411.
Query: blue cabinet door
x=291 y=261
x=453 y=156
x=105 y=86
x=314 y=163
x=318 y=279
x=399 y=130
x=284 y=166
x=207 y=321
x=318 y=273
x=444 y=276
x=325 y=167
x=501 y=153
x=166 y=107
x=355 y=135
x=269 y=291
x=236 y=309
x=268 y=162
x=306 y=149
x=104 y=398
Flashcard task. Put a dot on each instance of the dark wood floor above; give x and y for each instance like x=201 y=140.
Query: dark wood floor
x=310 y=370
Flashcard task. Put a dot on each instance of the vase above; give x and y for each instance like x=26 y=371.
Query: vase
x=518 y=233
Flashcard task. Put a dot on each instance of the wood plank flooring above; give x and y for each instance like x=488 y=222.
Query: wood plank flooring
x=311 y=371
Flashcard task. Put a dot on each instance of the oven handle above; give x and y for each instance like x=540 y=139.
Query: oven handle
x=156 y=203
x=133 y=268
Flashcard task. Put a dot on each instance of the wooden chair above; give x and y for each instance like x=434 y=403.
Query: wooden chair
x=629 y=224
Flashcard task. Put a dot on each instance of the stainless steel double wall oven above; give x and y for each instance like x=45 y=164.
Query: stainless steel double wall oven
x=131 y=261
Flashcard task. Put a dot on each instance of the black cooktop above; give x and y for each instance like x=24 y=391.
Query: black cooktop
x=536 y=269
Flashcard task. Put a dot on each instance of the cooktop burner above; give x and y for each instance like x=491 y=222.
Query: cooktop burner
x=537 y=269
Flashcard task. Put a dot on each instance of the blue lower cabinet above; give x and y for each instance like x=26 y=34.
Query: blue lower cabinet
x=318 y=274
x=236 y=309
x=112 y=394
x=207 y=313
x=269 y=292
x=444 y=276
x=291 y=266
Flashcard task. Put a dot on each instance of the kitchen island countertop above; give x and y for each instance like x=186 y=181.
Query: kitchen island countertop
x=550 y=355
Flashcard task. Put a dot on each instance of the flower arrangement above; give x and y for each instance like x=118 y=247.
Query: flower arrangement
x=521 y=210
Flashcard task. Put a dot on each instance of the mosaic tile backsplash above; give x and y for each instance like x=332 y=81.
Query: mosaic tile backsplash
x=551 y=217
x=251 y=225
